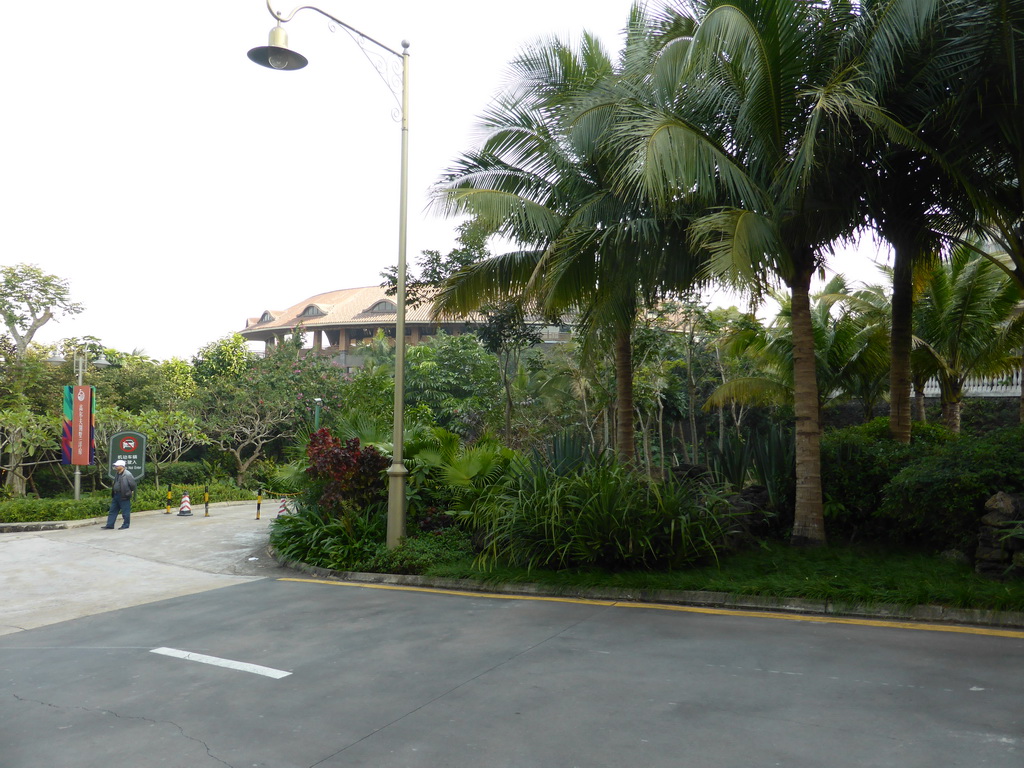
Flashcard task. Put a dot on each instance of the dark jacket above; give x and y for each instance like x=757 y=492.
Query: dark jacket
x=124 y=485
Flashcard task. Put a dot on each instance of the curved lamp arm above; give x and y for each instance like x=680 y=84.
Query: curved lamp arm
x=285 y=19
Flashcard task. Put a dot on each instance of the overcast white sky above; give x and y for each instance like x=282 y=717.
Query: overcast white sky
x=180 y=188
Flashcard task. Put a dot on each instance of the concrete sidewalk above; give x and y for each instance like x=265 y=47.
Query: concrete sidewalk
x=49 y=576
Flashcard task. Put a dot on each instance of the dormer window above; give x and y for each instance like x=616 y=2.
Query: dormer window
x=266 y=317
x=383 y=307
x=313 y=311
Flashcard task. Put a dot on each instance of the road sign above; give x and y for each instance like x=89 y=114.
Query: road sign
x=129 y=447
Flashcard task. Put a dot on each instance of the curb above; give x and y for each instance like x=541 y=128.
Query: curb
x=936 y=614
x=60 y=525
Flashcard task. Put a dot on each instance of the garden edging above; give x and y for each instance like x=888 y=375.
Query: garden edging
x=725 y=600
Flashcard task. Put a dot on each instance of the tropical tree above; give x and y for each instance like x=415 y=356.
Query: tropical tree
x=851 y=349
x=991 y=139
x=916 y=194
x=542 y=178
x=754 y=101
x=968 y=323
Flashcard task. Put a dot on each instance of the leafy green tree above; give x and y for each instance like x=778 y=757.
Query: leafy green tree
x=169 y=436
x=543 y=178
x=30 y=298
x=507 y=335
x=456 y=378
x=225 y=357
x=24 y=436
x=967 y=323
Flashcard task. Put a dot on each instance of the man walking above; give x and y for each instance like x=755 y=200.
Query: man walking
x=121 y=492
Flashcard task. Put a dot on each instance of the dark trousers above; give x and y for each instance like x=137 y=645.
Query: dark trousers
x=124 y=506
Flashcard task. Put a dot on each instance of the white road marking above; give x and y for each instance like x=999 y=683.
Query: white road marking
x=241 y=666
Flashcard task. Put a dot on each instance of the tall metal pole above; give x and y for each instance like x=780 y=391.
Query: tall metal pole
x=397 y=472
x=276 y=55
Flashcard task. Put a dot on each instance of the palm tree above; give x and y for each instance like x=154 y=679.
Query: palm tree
x=991 y=138
x=967 y=324
x=851 y=351
x=545 y=183
x=757 y=101
x=915 y=193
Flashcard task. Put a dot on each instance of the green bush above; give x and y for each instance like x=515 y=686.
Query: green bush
x=179 y=473
x=150 y=497
x=419 y=554
x=601 y=515
x=341 y=540
x=937 y=500
x=45 y=510
x=857 y=465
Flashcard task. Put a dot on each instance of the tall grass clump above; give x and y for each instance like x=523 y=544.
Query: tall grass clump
x=598 y=515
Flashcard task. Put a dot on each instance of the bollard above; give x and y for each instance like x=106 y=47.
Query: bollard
x=185 y=510
x=206 y=501
x=284 y=507
x=168 y=510
x=259 y=500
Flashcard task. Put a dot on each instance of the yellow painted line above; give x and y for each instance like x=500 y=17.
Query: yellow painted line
x=489 y=595
x=922 y=627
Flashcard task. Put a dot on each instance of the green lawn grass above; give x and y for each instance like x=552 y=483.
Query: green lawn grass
x=844 y=575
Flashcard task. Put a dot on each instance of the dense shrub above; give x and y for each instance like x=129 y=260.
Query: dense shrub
x=420 y=553
x=44 y=510
x=602 y=515
x=150 y=497
x=937 y=500
x=95 y=504
x=338 y=541
x=343 y=476
x=857 y=464
x=180 y=473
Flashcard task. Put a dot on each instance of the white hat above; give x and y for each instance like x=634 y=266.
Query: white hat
x=120 y=463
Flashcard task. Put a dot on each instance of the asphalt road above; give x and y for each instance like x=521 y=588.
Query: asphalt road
x=209 y=658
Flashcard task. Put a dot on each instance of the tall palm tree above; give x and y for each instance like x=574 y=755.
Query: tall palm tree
x=584 y=249
x=967 y=324
x=992 y=135
x=916 y=194
x=758 y=101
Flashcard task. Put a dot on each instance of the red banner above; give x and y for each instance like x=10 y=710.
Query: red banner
x=81 y=426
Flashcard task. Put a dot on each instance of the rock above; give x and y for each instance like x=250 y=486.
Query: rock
x=1002 y=511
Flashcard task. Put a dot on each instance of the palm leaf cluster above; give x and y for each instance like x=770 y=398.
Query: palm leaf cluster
x=740 y=140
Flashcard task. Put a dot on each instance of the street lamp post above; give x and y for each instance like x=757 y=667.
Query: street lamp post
x=80 y=361
x=317 y=404
x=277 y=55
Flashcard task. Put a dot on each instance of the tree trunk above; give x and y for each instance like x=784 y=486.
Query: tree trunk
x=808 y=519
x=900 y=342
x=951 y=414
x=624 y=430
x=922 y=411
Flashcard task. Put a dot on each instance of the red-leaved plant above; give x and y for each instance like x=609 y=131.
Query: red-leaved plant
x=345 y=475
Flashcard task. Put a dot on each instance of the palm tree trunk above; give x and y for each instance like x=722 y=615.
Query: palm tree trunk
x=624 y=430
x=808 y=518
x=900 y=342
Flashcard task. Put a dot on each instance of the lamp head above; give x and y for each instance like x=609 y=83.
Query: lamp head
x=277 y=55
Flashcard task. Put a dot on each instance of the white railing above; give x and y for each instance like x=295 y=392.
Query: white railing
x=1006 y=386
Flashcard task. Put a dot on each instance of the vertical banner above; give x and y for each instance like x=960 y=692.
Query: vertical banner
x=78 y=434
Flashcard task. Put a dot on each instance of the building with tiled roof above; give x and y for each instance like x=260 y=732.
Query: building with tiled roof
x=339 y=322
